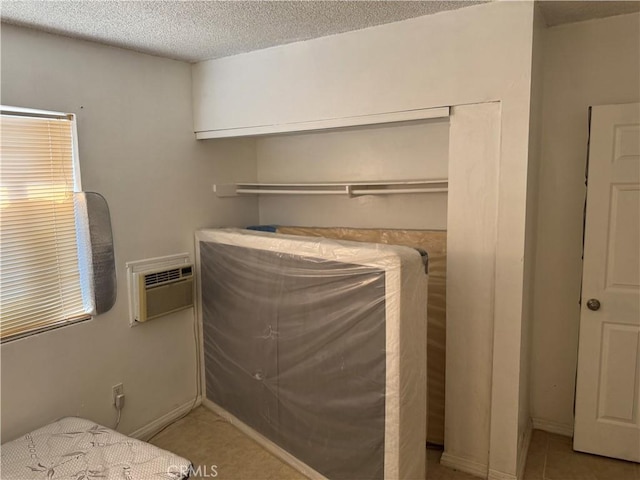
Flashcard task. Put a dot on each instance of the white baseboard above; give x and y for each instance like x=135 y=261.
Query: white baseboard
x=264 y=441
x=480 y=470
x=498 y=475
x=150 y=429
x=524 y=451
x=463 y=464
x=553 y=427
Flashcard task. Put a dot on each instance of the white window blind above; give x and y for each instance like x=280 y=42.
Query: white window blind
x=39 y=276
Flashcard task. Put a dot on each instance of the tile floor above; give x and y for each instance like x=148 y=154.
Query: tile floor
x=206 y=439
x=552 y=458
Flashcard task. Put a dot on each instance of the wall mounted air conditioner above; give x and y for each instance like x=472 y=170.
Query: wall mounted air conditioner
x=159 y=286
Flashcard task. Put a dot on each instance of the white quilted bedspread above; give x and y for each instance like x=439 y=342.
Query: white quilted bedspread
x=78 y=449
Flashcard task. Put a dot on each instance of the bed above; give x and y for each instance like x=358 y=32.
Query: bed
x=315 y=346
x=79 y=449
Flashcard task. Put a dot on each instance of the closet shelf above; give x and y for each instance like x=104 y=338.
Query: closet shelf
x=353 y=189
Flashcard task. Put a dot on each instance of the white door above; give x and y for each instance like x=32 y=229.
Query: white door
x=607 y=392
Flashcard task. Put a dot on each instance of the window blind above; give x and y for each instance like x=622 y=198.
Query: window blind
x=39 y=280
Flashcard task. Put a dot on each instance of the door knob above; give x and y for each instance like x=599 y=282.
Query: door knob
x=593 y=304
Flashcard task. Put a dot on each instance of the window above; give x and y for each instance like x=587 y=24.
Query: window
x=40 y=281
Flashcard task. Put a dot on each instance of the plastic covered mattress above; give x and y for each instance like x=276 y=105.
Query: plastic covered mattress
x=435 y=243
x=318 y=346
x=78 y=449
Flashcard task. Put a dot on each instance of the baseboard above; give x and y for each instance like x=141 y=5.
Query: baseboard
x=553 y=427
x=524 y=451
x=480 y=470
x=463 y=464
x=498 y=475
x=264 y=441
x=150 y=429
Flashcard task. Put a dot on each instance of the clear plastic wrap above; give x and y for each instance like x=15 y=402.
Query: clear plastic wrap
x=434 y=242
x=320 y=346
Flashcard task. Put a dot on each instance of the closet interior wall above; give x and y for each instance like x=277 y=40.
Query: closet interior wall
x=403 y=151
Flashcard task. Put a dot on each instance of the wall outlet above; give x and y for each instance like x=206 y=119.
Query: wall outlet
x=117 y=390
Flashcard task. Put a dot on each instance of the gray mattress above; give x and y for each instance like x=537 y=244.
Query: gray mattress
x=301 y=341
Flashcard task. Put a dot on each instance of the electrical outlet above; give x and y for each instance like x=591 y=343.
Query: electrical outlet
x=117 y=390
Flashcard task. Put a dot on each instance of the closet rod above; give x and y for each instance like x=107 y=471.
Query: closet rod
x=394 y=191
x=349 y=189
x=259 y=191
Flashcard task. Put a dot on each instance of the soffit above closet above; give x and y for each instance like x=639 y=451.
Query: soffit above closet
x=199 y=30
x=561 y=12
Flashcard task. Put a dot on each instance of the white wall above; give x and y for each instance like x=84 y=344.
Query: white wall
x=588 y=63
x=472 y=55
x=474 y=164
x=137 y=148
x=535 y=133
x=407 y=151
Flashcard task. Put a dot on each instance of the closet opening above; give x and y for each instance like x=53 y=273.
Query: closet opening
x=405 y=151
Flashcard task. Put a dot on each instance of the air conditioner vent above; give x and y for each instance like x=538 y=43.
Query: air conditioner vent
x=157 y=278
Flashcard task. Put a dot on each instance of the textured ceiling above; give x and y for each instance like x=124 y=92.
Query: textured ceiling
x=199 y=30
